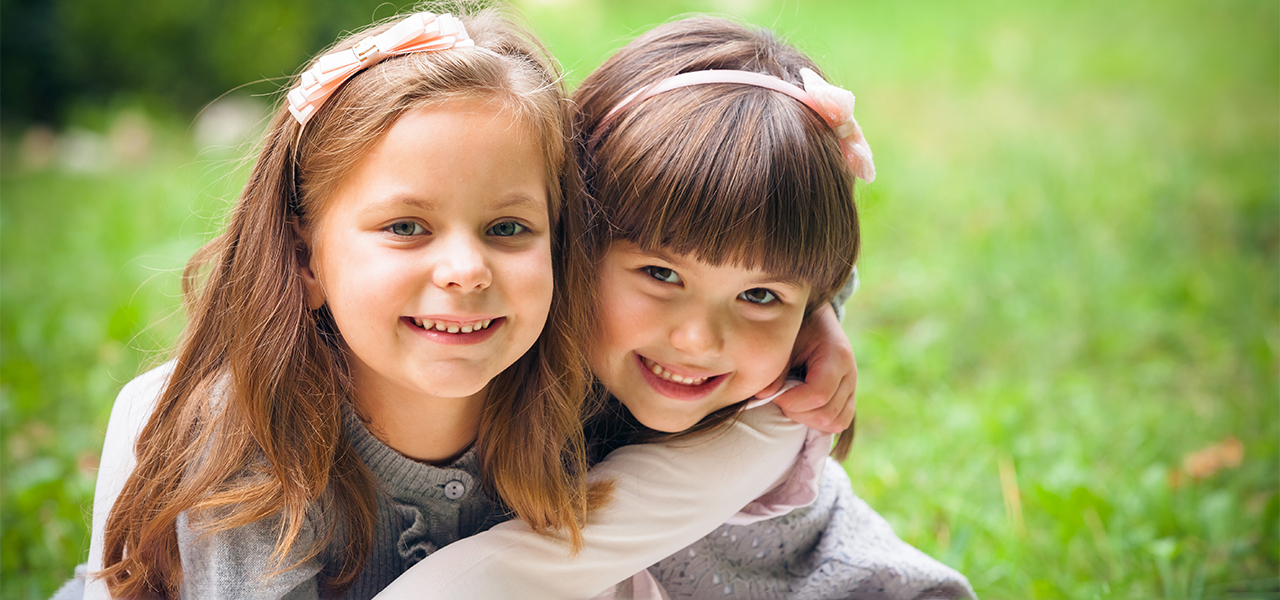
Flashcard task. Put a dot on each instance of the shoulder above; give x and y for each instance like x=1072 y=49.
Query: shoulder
x=767 y=417
x=739 y=460
x=149 y=384
x=763 y=426
x=138 y=398
x=131 y=411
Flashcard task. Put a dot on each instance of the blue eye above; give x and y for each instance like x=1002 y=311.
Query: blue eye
x=407 y=228
x=758 y=296
x=663 y=274
x=507 y=229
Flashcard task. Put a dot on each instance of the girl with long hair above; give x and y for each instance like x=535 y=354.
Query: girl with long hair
x=379 y=359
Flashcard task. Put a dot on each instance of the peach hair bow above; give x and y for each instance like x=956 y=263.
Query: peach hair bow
x=420 y=32
x=835 y=104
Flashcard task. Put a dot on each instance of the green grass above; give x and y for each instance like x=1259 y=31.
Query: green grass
x=1071 y=280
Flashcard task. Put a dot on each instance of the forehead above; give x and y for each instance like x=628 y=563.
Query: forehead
x=465 y=151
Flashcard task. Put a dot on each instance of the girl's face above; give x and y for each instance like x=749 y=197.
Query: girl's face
x=682 y=338
x=434 y=253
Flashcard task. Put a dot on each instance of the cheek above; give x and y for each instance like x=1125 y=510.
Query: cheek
x=625 y=317
x=354 y=278
x=531 y=283
x=608 y=337
x=772 y=343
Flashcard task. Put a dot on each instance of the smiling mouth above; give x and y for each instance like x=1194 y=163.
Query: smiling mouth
x=456 y=327
x=662 y=372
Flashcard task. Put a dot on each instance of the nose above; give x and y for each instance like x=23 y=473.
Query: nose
x=462 y=264
x=698 y=332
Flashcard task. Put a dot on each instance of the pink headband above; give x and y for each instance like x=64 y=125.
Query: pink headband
x=833 y=104
x=421 y=32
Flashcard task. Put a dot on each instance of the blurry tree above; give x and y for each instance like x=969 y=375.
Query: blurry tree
x=177 y=55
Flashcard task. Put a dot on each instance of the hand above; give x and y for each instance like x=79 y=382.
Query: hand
x=825 y=401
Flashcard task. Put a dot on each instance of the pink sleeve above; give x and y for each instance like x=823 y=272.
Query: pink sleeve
x=799 y=489
x=800 y=486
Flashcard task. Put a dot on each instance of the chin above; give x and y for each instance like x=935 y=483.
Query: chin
x=456 y=385
x=665 y=425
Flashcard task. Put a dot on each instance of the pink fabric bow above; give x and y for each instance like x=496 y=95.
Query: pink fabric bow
x=420 y=32
x=835 y=104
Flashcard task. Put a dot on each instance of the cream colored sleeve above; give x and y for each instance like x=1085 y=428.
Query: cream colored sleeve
x=129 y=414
x=666 y=496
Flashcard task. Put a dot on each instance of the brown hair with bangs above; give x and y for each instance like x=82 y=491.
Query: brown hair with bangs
x=730 y=173
x=250 y=426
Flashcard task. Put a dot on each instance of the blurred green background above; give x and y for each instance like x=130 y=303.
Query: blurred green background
x=1068 y=328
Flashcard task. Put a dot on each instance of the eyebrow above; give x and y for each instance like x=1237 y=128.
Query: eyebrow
x=515 y=200
x=413 y=201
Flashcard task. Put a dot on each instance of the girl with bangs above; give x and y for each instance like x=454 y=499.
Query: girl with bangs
x=720 y=172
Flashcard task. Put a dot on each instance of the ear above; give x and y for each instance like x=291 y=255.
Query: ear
x=315 y=292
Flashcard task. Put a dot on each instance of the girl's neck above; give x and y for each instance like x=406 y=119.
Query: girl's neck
x=426 y=429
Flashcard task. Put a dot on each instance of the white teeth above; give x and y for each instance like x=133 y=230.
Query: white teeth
x=669 y=376
x=455 y=327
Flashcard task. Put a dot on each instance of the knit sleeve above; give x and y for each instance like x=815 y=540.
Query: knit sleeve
x=666 y=496
x=229 y=564
x=240 y=563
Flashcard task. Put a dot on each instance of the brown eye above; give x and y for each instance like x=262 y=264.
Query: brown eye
x=663 y=274
x=758 y=296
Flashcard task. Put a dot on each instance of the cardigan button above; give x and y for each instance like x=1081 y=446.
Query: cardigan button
x=454 y=489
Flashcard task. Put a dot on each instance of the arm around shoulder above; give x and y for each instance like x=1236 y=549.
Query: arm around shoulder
x=666 y=496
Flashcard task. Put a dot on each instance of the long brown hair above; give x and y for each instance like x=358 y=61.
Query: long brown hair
x=249 y=425
x=731 y=173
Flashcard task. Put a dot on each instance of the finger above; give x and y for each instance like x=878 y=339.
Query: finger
x=841 y=418
x=820 y=385
x=832 y=417
x=816 y=419
x=819 y=418
x=826 y=418
x=798 y=399
x=845 y=418
x=849 y=387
